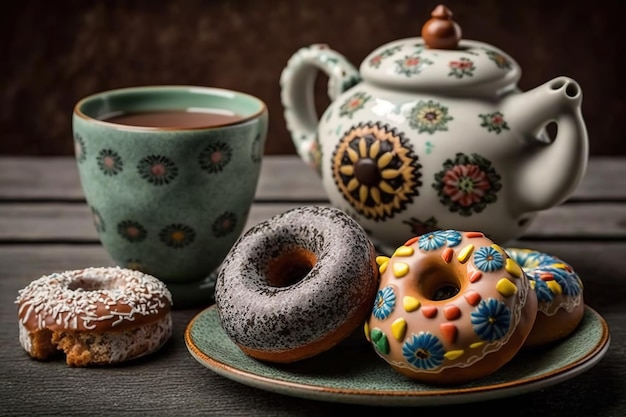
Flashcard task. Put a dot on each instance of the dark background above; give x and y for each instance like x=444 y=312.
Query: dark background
x=52 y=53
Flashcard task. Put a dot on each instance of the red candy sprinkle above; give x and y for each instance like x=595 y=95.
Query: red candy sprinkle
x=411 y=241
x=473 y=234
x=429 y=311
x=447 y=255
x=472 y=297
x=451 y=312
x=476 y=275
x=448 y=331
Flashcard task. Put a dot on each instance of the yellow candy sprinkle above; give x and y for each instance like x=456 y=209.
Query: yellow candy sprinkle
x=366 y=330
x=400 y=269
x=560 y=266
x=555 y=287
x=506 y=287
x=497 y=247
x=533 y=284
x=513 y=268
x=383 y=267
x=453 y=354
x=410 y=303
x=398 y=329
x=465 y=253
x=404 y=251
x=381 y=260
x=476 y=345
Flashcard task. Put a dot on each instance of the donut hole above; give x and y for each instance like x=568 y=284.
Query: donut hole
x=290 y=267
x=439 y=283
x=90 y=284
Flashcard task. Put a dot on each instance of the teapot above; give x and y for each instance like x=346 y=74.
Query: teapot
x=433 y=132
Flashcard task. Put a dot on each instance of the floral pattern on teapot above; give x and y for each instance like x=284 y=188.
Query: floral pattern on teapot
x=375 y=170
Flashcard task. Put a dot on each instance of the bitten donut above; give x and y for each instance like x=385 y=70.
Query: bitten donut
x=559 y=294
x=96 y=316
x=452 y=306
x=297 y=284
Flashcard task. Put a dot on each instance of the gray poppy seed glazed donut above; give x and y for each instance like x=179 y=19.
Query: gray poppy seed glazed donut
x=297 y=284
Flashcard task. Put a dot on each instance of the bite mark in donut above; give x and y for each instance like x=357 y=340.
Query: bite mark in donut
x=297 y=284
x=96 y=316
x=451 y=307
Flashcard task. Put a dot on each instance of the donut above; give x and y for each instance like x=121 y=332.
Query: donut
x=452 y=307
x=560 y=304
x=96 y=316
x=297 y=284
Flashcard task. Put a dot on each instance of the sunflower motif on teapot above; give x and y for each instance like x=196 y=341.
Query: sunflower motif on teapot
x=376 y=170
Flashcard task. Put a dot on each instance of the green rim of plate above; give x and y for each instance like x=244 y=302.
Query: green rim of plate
x=352 y=372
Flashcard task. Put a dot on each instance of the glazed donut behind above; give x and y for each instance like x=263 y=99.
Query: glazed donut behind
x=559 y=291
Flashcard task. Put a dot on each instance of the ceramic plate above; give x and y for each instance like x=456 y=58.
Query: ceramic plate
x=352 y=373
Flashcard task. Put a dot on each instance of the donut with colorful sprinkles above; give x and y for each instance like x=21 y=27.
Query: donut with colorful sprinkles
x=297 y=284
x=559 y=294
x=452 y=307
x=96 y=316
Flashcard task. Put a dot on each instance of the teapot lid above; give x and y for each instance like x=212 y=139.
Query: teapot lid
x=441 y=61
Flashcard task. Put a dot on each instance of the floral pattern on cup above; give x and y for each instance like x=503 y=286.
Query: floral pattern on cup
x=135 y=264
x=215 y=157
x=467 y=184
x=157 y=169
x=132 y=231
x=257 y=149
x=79 y=148
x=98 y=222
x=429 y=116
x=224 y=224
x=177 y=235
x=110 y=162
x=376 y=170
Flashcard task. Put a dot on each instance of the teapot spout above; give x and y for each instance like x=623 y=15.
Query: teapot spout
x=550 y=169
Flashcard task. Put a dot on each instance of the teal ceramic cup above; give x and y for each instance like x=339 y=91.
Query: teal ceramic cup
x=170 y=195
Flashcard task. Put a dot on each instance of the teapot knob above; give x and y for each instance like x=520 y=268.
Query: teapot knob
x=440 y=31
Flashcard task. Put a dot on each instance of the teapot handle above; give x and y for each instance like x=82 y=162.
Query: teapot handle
x=297 y=87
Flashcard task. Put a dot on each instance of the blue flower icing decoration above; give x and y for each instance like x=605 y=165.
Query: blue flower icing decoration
x=423 y=351
x=488 y=259
x=384 y=303
x=491 y=319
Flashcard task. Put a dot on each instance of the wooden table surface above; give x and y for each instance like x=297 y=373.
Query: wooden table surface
x=45 y=226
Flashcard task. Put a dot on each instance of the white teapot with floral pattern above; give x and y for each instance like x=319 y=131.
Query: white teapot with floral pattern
x=433 y=133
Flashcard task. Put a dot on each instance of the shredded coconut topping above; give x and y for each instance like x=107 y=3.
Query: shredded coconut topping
x=71 y=299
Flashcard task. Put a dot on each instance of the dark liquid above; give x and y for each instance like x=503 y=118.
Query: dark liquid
x=174 y=119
